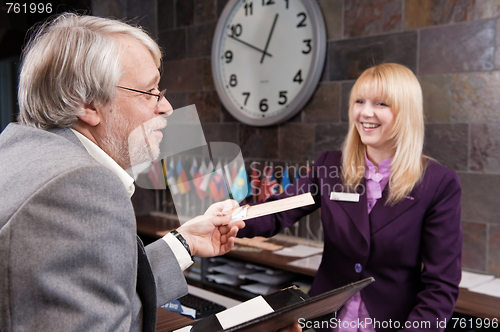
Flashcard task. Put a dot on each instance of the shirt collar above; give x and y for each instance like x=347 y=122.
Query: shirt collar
x=105 y=160
x=384 y=167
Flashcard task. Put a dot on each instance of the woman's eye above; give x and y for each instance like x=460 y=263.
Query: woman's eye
x=359 y=101
x=383 y=104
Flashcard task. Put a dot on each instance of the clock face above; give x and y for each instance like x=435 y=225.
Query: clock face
x=267 y=58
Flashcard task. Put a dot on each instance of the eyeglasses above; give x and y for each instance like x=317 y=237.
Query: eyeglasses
x=159 y=96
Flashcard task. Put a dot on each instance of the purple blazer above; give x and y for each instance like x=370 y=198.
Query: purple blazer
x=412 y=249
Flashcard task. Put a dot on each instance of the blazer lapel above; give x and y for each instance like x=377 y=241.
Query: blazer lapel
x=383 y=214
x=146 y=288
x=358 y=213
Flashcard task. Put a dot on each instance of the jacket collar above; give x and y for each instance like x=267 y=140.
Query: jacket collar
x=381 y=215
x=98 y=154
x=105 y=160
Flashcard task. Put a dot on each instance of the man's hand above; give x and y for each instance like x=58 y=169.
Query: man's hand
x=212 y=234
x=221 y=208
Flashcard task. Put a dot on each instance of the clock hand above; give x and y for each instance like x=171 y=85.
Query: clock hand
x=250 y=45
x=269 y=39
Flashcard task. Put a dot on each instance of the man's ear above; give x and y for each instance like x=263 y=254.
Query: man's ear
x=89 y=115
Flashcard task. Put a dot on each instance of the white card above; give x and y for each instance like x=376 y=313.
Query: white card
x=244 y=312
x=240 y=213
x=346 y=197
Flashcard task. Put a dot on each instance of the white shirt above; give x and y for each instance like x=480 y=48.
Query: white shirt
x=105 y=160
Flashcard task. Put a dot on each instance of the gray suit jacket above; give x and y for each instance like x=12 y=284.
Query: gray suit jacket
x=69 y=256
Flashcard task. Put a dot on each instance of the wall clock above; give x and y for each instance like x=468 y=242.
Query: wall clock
x=267 y=58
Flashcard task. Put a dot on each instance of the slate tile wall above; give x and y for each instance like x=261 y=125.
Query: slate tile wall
x=457 y=48
x=423 y=13
x=366 y=17
x=453 y=46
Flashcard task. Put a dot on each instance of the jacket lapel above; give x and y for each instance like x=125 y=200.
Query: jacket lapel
x=358 y=213
x=146 y=288
x=383 y=214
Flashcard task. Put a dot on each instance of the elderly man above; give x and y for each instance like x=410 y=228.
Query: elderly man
x=69 y=256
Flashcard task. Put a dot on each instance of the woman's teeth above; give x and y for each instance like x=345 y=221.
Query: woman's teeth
x=370 y=125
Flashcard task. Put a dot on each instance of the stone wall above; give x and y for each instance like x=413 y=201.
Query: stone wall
x=452 y=45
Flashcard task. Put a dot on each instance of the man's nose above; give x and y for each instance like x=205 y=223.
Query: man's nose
x=164 y=107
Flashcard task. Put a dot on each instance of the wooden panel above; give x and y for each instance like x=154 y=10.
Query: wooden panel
x=168 y=321
x=478 y=305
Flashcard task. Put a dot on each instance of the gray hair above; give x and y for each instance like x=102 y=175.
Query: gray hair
x=70 y=62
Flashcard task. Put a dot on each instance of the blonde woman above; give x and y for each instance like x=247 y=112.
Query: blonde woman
x=398 y=219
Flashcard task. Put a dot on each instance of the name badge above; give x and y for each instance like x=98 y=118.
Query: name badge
x=346 y=197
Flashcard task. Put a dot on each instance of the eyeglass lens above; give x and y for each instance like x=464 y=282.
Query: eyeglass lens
x=160 y=97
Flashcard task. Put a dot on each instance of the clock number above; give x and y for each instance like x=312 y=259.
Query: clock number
x=283 y=97
x=236 y=30
x=263 y=105
x=249 y=8
x=302 y=23
x=247 y=94
x=298 y=77
x=267 y=2
x=286 y=4
x=233 y=81
x=308 y=44
x=229 y=56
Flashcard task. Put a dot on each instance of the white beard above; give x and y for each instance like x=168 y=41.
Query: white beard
x=132 y=146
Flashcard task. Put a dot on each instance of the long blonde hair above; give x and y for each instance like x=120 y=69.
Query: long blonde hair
x=400 y=89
